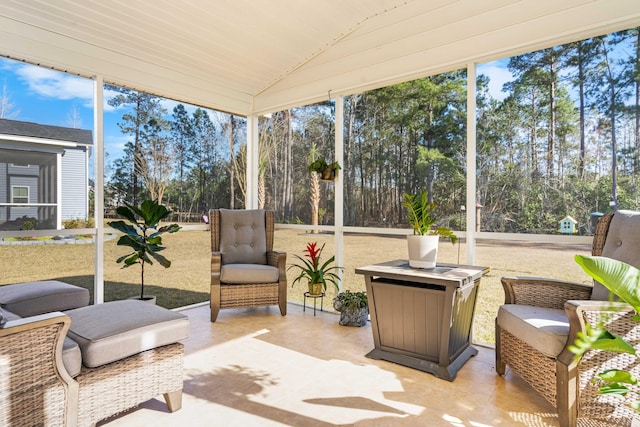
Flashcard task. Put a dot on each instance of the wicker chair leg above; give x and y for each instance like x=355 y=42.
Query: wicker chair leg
x=215 y=301
x=501 y=367
x=282 y=303
x=567 y=390
x=214 y=312
x=173 y=400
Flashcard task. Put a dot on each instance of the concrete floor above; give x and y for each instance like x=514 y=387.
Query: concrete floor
x=254 y=367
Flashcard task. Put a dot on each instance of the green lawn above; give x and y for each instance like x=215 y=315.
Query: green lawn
x=187 y=280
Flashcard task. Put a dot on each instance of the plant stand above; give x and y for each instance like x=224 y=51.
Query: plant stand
x=315 y=297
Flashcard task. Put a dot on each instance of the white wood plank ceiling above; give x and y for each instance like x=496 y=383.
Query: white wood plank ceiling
x=253 y=57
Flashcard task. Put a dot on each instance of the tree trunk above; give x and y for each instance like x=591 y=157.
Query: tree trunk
x=314 y=198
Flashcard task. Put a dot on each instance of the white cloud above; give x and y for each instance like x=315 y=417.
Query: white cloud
x=498 y=75
x=115 y=144
x=54 y=84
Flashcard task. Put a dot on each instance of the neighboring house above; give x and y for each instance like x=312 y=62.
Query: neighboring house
x=44 y=175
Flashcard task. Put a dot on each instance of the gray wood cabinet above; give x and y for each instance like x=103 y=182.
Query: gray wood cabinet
x=422 y=318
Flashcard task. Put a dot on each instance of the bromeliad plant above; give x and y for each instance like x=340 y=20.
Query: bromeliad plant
x=313 y=271
x=420 y=216
x=623 y=280
x=142 y=235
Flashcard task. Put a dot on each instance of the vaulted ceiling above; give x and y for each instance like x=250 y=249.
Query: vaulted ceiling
x=252 y=57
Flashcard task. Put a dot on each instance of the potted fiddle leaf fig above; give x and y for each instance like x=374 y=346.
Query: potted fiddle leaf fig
x=423 y=244
x=353 y=308
x=143 y=236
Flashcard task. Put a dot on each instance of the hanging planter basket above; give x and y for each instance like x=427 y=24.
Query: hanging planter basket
x=329 y=174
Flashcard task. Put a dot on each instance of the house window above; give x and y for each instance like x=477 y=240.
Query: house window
x=19 y=194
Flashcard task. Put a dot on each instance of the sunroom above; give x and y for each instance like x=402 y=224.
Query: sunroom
x=251 y=61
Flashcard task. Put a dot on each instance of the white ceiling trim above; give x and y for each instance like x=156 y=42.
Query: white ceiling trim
x=247 y=57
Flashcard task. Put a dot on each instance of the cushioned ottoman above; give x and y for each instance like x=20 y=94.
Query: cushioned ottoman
x=32 y=298
x=115 y=330
x=130 y=354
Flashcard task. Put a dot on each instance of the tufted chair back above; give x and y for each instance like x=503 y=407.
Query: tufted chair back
x=617 y=237
x=243 y=236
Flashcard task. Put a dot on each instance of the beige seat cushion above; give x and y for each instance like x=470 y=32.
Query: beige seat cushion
x=115 y=330
x=32 y=298
x=7 y=315
x=71 y=356
x=248 y=273
x=545 y=329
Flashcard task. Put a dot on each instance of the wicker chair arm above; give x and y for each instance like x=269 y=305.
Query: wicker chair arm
x=216 y=265
x=542 y=292
x=616 y=318
x=277 y=259
x=32 y=349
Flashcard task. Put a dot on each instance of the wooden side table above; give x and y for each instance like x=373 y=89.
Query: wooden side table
x=422 y=318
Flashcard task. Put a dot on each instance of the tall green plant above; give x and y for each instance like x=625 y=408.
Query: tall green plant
x=420 y=216
x=142 y=236
x=623 y=280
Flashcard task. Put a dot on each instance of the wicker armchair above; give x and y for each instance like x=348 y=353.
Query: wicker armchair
x=36 y=389
x=245 y=270
x=541 y=317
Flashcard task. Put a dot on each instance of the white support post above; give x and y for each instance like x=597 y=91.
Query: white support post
x=58 y=182
x=471 y=164
x=253 y=155
x=339 y=186
x=98 y=158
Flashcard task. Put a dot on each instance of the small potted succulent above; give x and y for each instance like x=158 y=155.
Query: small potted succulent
x=141 y=235
x=353 y=308
x=317 y=274
x=423 y=244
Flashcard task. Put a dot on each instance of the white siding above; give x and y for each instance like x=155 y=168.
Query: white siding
x=75 y=182
x=4 y=196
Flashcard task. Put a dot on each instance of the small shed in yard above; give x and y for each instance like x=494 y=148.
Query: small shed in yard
x=44 y=175
x=568 y=225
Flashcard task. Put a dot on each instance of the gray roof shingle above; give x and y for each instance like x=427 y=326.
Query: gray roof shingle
x=59 y=133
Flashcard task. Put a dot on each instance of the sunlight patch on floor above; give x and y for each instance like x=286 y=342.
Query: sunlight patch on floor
x=278 y=383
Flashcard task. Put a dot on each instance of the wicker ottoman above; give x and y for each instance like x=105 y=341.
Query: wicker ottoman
x=130 y=353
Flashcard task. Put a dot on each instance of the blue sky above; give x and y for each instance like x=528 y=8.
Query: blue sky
x=50 y=97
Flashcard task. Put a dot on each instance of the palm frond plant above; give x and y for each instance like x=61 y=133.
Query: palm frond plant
x=623 y=281
x=314 y=271
x=423 y=244
x=420 y=214
x=143 y=235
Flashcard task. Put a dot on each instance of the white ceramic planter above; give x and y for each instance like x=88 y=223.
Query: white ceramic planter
x=423 y=251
